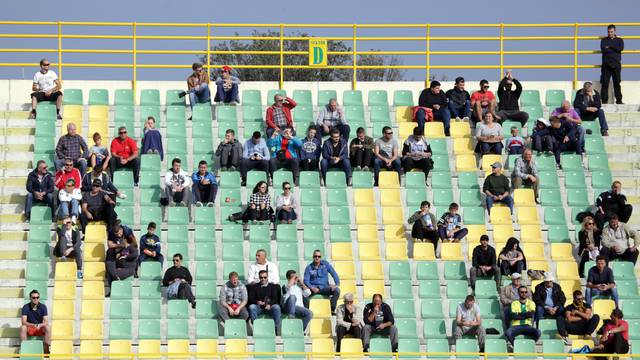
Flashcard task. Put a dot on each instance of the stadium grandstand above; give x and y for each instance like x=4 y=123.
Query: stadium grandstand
x=367 y=222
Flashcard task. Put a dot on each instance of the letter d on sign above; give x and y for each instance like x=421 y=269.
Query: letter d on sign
x=317 y=52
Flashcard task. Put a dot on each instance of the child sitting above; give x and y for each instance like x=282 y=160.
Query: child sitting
x=98 y=154
x=150 y=245
x=515 y=143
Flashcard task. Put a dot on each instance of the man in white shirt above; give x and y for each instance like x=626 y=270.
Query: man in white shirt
x=295 y=291
x=177 y=184
x=46 y=87
x=469 y=321
x=262 y=264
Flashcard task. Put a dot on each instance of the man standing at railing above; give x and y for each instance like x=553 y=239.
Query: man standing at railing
x=46 y=87
x=611 y=47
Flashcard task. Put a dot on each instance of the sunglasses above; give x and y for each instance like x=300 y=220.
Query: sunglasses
x=68 y=165
x=46 y=64
x=485 y=87
x=35 y=297
x=288 y=188
x=95 y=186
x=317 y=256
x=389 y=133
x=122 y=132
x=68 y=223
x=263 y=278
x=523 y=292
x=176 y=260
x=589 y=223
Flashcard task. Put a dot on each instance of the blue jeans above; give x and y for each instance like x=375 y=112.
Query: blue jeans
x=581 y=134
x=526 y=330
x=143 y=257
x=287 y=215
x=344 y=164
x=491 y=148
x=227 y=96
x=460 y=112
x=334 y=295
x=508 y=200
x=255 y=311
x=199 y=95
x=63 y=209
x=590 y=293
x=378 y=164
x=290 y=309
x=443 y=115
x=48 y=199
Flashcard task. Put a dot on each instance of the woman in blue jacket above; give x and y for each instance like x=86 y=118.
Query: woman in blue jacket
x=284 y=152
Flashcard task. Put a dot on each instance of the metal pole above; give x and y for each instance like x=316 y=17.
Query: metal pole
x=60 y=50
x=281 y=56
x=575 y=56
x=428 y=56
x=209 y=50
x=501 y=51
x=355 y=59
x=135 y=64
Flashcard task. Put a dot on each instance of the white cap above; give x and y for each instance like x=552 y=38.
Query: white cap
x=515 y=276
x=548 y=277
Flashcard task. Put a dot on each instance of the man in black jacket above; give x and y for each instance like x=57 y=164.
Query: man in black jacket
x=459 y=101
x=611 y=47
x=484 y=262
x=434 y=99
x=509 y=108
x=39 y=188
x=564 y=134
x=265 y=297
x=549 y=298
x=107 y=185
x=378 y=319
x=589 y=106
x=178 y=280
x=612 y=202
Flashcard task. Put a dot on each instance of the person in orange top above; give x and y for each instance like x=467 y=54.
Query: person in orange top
x=124 y=154
x=615 y=336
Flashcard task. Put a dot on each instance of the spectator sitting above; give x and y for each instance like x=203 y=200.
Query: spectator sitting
x=541 y=139
x=483 y=262
x=259 y=208
x=35 y=320
x=330 y=117
x=97 y=205
x=378 y=320
x=361 y=150
x=489 y=136
x=416 y=153
x=255 y=155
x=509 y=108
x=176 y=184
x=150 y=247
x=525 y=172
x=335 y=154
x=122 y=253
x=45 y=87
x=450 y=225
x=39 y=188
x=600 y=281
x=436 y=100
x=459 y=101
x=589 y=238
x=205 y=186
x=232 y=303
x=316 y=278
x=284 y=148
x=124 y=154
x=612 y=202
x=589 y=106
x=496 y=187
x=424 y=225
x=229 y=151
x=385 y=150
x=310 y=151
x=295 y=292
x=566 y=113
x=72 y=146
x=227 y=84
x=515 y=143
x=98 y=155
x=549 y=298
x=578 y=319
x=348 y=320
x=509 y=294
x=198 y=86
x=264 y=297
x=152 y=139
x=68 y=172
x=469 y=321
x=262 y=264
x=69 y=243
x=286 y=205
x=511 y=258
x=178 y=280
x=615 y=335
x=279 y=115
x=107 y=184
x=564 y=134
x=522 y=313
x=69 y=199
x=619 y=241
x=482 y=102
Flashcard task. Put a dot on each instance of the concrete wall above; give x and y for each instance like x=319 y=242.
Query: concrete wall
x=15 y=93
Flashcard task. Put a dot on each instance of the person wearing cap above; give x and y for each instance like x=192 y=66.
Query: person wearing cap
x=611 y=47
x=522 y=314
x=107 y=185
x=549 y=298
x=227 y=84
x=509 y=294
x=482 y=101
x=541 y=139
x=589 y=106
x=496 y=187
x=525 y=172
x=436 y=100
x=578 y=318
x=484 y=262
x=69 y=199
x=469 y=321
x=489 y=136
x=459 y=101
x=39 y=188
x=600 y=281
x=97 y=205
x=348 y=320
x=198 y=86
x=565 y=138
x=330 y=117
x=508 y=107
x=279 y=115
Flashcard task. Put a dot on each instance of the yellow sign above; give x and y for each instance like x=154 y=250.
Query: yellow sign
x=317 y=52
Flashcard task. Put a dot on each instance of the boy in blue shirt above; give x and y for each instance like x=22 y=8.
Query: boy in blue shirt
x=150 y=245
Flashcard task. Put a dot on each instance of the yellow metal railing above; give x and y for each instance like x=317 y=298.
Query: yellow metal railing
x=212 y=32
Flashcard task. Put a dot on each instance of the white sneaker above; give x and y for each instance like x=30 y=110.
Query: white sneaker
x=122 y=195
x=457 y=118
x=73 y=219
x=199 y=204
x=465 y=118
x=211 y=204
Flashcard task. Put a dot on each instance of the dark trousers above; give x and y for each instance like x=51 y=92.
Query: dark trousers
x=284 y=215
x=607 y=72
x=115 y=273
x=560 y=147
x=627 y=255
x=257 y=214
x=515 y=115
x=227 y=96
x=460 y=112
x=490 y=148
x=344 y=129
x=474 y=272
x=334 y=295
x=623 y=215
x=292 y=164
x=422 y=233
x=107 y=215
x=584 y=258
x=247 y=164
x=618 y=345
x=229 y=158
x=184 y=292
x=344 y=165
x=378 y=164
x=458 y=234
x=114 y=164
x=424 y=164
x=341 y=331
x=541 y=312
x=309 y=165
x=144 y=257
x=525 y=330
x=542 y=143
x=508 y=269
x=591 y=116
x=61 y=248
x=31 y=198
x=582 y=327
x=361 y=157
x=204 y=193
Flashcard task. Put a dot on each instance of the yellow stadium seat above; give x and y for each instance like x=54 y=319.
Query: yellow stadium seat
x=579 y=343
x=346 y=269
x=423 y=251
x=94 y=271
x=567 y=270
x=502 y=232
x=568 y=287
x=388 y=180
x=561 y=251
x=99 y=112
x=538 y=265
x=91 y=347
x=603 y=308
x=459 y=129
x=91 y=330
x=528 y=215
x=348 y=286
x=66 y=271
x=490 y=159
x=451 y=251
x=366 y=215
x=62 y=329
x=320 y=328
x=96 y=234
x=122 y=347
x=321 y=308
x=236 y=346
x=64 y=290
x=390 y=197
x=500 y=216
x=533 y=251
x=368 y=251
x=530 y=233
x=150 y=347
x=341 y=251
x=64 y=310
x=61 y=349
x=178 y=347
x=352 y=347
x=475 y=231
x=499 y=246
x=364 y=197
x=466 y=163
x=371 y=287
x=394 y=233
x=92 y=290
x=322 y=348
x=524 y=197
x=93 y=252
x=92 y=310
x=404 y=114
x=396 y=252
x=434 y=130
x=372 y=270
x=405 y=129
x=392 y=215
x=100 y=127
x=463 y=146
x=206 y=347
x=73 y=111
x=367 y=233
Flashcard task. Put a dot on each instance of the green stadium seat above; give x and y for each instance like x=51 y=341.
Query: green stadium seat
x=554 y=216
x=442 y=197
x=496 y=346
x=470 y=198
x=335 y=197
x=634 y=329
x=490 y=308
x=440 y=163
x=120 y=329
x=255 y=176
x=594 y=145
x=206 y=328
x=272 y=93
x=431 y=308
x=380 y=345
x=466 y=180
x=594 y=126
x=402 y=98
x=232 y=233
x=123 y=97
x=454 y=270
x=37 y=271
x=496 y=324
x=548 y=180
x=97 y=97
x=202 y=113
x=288 y=251
x=150 y=97
x=280 y=176
x=172 y=98
x=325 y=95
x=575 y=180
x=413 y=197
x=40 y=215
x=310 y=247
x=251 y=113
x=457 y=288
x=486 y=289
x=623 y=270
x=286 y=233
x=631 y=309
x=302 y=97
x=259 y=233
x=309 y=179
x=226 y=114
x=206 y=289
x=233 y=252
x=530 y=97
x=149 y=179
x=401 y=289
x=427 y=270
x=264 y=345
x=264 y=329
x=558 y=234
x=31 y=347
x=149 y=309
x=303 y=116
x=207 y=309
x=251 y=97
x=339 y=215
x=336 y=180
x=230 y=180
x=340 y=233
x=416 y=179
x=378 y=126
x=149 y=329
x=230 y=266
x=413 y=346
x=150 y=289
x=151 y=270
x=359 y=179
x=204 y=233
x=601 y=179
x=598 y=162
x=235 y=329
x=39 y=233
x=439 y=146
x=571 y=162
x=552 y=346
x=377 y=97
x=399 y=270
x=147 y=111
x=435 y=328
x=352 y=97
x=121 y=290
x=548 y=329
x=178 y=216
x=150 y=162
x=546 y=162
x=291 y=345
x=148 y=197
x=73 y=97
x=202 y=146
x=292 y=329
x=474 y=215
x=313 y=233
x=353 y=113
x=149 y=214
x=38 y=252
x=577 y=197
x=524 y=346
x=550 y=197
x=554 y=98
x=466 y=346
x=627 y=289
x=406 y=328
x=429 y=289
x=177 y=309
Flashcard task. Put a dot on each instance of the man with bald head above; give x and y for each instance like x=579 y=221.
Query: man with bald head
x=525 y=172
x=331 y=117
x=567 y=113
x=72 y=146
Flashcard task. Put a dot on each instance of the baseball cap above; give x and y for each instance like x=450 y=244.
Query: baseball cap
x=496 y=164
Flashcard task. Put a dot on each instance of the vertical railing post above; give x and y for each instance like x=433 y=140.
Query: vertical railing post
x=281 y=56
x=59 y=50
x=501 y=51
x=134 y=83
x=575 y=56
x=209 y=50
x=354 y=77
x=427 y=54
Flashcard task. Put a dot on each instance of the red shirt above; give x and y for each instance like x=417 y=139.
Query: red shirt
x=625 y=332
x=484 y=97
x=62 y=177
x=123 y=148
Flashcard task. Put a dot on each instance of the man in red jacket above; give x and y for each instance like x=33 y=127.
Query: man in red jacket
x=66 y=173
x=279 y=115
x=124 y=153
